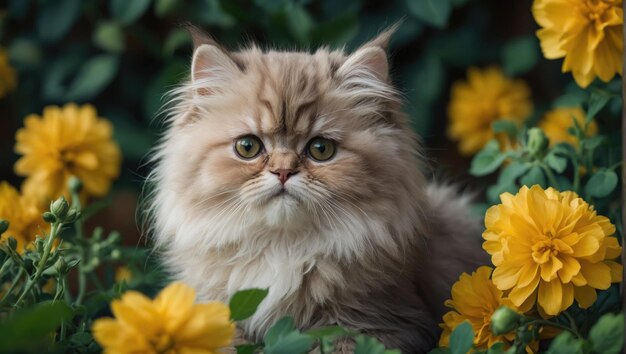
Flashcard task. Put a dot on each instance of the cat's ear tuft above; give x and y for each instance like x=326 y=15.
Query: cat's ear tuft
x=211 y=63
x=367 y=62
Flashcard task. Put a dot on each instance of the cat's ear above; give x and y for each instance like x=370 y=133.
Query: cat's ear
x=371 y=58
x=211 y=65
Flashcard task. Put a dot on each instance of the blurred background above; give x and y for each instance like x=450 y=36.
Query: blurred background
x=123 y=55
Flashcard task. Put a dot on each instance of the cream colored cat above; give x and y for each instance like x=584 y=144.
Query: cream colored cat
x=298 y=172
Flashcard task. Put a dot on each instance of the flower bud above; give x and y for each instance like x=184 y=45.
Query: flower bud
x=4 y=226
x=116 y=254
x=72 y=215
x=12 y=243
x=537 y=142
x=75 y=184
x=59 y=208
x=504 y=320
x=61 y=266
x=49 y=217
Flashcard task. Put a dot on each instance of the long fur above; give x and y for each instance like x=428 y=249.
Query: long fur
x=361 y=241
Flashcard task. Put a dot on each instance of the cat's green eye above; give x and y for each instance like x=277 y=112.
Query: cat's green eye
x=321 y=149
x=248 y=146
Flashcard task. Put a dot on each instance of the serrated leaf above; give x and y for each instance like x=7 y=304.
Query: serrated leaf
x=128 y=11
x=534 y=176
x=282 y=338
x=93 y=77
x=597 y=101
x=56 y=17
x=487 y=160
x=607 y=335
x=244 y=303
x=433 y=12
x=519 y=55
x=601 y=184
x=461 y=338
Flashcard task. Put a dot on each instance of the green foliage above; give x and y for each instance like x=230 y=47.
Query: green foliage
x=607 y=335
x=520 y=55
x=433 y=12
x=244 y=303
x=461 y=339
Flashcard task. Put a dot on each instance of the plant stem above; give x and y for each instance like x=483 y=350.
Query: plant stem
x=13 y=285
x=555 y=325
x=54 y=232
x=577 y=178
x=550 y=174
x=78 y=227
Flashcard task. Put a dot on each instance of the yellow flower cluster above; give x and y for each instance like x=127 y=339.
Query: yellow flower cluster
x=474 y=299
x=557 y=122
x=587 y=33
x=66 y=141
x=550 y=247
x=8 y=79
x=23 y=214
x=171 y=323
x=485 y=97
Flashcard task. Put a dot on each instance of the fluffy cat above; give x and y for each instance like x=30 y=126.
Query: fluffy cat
x=298 y=172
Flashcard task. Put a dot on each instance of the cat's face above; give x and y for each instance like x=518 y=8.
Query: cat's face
x=288 y=140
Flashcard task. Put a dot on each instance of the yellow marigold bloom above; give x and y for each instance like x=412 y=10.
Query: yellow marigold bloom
x=550 y=247
x=171 y=323
x=123 y=274
x=485 y=97
x=556 y=123
x=588 y=33
x=66 y=141
x=8 y=79
x=474 y=299
x=23 y=215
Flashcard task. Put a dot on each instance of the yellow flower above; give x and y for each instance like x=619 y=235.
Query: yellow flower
x=550 y=247
x=474 y=299
x=8 y=80
x=485 y=97
x=556 y=123
x=588 y=33
x=123 y=274
x=23 y=215
x=66 y=141
x=171 y=323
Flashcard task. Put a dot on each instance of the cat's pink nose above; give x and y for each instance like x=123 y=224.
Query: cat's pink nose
x=284 y=174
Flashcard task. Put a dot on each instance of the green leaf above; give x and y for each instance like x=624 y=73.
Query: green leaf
x=81 y=338
x=243 y=304
x=56 y=17
x=597 y=101
x=607 y=335
x=556 y=162
x=601 y=184
x=109 y=36
x=282 y=338
x=512 y=171
x=487 y=160
x=336 y=31
x=300 y=22
x=534 y=176
x=461 y=338
x=505 y=126
x=164 y=8
x=498 y=348
x=565 y=343
x=331 y=331
x=433 y=12
x=93 y=77
x=128 y=11
x=176 y=39
x=440 y=351
x=28 y=328
x=594 y=142
x=246 y=348
x=520 y=55
x=368 y=345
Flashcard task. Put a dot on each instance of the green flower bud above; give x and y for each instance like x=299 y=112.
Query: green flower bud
x=116 y=254
x=12 y=243
x=59 y=208
x=61 y=266
x=537 y=142
x=504 y=320
x=4 y=226
x=74 y=184
x=49 y=217
x=72 y=215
